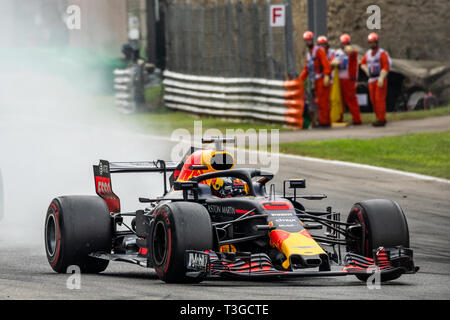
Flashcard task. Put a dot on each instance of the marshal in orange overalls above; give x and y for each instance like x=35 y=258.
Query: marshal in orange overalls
x=348 y=77
x=376 y=61
x=316 y=67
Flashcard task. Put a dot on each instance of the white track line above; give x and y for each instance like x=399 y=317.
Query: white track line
x=290 y=156
x=339 y=163
x=365 y=166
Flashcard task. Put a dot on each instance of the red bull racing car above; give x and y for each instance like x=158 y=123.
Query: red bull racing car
x=214 y=220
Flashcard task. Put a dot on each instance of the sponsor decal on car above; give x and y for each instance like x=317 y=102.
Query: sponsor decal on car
x=196 y=260
x=215 y=209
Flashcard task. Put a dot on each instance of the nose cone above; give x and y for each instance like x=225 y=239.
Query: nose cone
x=298 y=261
x=299 y=248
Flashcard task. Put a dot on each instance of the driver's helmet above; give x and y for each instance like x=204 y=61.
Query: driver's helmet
x=228 y=187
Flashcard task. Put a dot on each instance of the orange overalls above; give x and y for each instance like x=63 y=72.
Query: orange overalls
x=348 y=77
x=316 y=66
x=376 y=61
x=330 y=56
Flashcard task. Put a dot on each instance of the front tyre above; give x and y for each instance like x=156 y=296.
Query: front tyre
x=76 y=226
x=385 y=226
x=177 y=227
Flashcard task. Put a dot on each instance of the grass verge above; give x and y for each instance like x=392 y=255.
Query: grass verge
x=399 y=116
x=164 y=120
x=423 y=153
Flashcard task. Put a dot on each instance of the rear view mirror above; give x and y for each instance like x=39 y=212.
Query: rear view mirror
x=185 y=186
x=181 y=185
x=297 y=184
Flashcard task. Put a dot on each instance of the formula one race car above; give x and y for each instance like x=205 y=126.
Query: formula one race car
x=214 y=220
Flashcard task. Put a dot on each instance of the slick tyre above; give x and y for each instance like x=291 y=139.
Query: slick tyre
x=177 y=227
x=76 y=226
x=385 y=226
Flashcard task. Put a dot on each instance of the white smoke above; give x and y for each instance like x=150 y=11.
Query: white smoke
x=55 y=123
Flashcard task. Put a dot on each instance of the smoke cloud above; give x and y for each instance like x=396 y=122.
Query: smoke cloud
x=57 y=119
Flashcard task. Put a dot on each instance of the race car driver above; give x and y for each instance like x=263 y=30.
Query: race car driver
x=318 y=69
x=228 y=187
x=376 y=63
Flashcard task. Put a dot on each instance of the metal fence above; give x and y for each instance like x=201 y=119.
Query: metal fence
x=230 y=40
x=225 y=60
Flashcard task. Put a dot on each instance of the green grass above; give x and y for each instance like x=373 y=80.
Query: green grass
x=399 y=116
x=423 y=153
x=164 y=121
x=153 y=94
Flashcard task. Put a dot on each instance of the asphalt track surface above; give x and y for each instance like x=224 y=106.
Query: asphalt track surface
x=43 y=156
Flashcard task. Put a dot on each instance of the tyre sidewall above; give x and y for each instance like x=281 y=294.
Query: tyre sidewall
x=55 y=259
x=188 y=227
x=83 y=226
x=169 y=264
x=384 y=222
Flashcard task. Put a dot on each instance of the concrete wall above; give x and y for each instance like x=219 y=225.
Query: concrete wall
x=32 y=23
x=413 y=29
x=41 y=23
x=104 y=25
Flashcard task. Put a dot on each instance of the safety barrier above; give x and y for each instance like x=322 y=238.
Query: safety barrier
x=243 y=98
x=124 y=85
x=130 y=83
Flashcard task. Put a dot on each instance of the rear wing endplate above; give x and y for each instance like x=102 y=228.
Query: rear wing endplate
x=102 y=177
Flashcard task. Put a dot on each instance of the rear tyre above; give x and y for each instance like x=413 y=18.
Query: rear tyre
x=177 y=227
x=76 y=226
x=385 y=226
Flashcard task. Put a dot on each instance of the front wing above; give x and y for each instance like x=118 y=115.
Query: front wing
x=259 y=266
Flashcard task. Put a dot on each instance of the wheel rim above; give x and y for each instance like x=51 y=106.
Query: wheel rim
x=50 y=235
x=159 y=243
x=358 y=246
x=353 y=245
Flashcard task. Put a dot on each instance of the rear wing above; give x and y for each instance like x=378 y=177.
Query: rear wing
x=147 y=166
x=102 y=177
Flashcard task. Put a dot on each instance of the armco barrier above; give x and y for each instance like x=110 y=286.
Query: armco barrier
x=124 y=84
x=130 y=84
x=244 y=98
